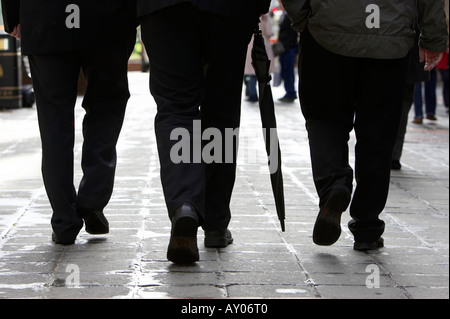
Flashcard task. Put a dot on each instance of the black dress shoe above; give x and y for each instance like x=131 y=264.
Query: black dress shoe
x=56 y=240
x=369 y=246
x=218 y=239
x=287 y=100
x=95 y=220
x=183 y=240
x=327 y=229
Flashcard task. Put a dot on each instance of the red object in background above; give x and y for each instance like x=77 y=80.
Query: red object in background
x=443 y=65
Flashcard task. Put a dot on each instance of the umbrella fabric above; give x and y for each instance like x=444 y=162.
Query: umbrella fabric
x=261 y=64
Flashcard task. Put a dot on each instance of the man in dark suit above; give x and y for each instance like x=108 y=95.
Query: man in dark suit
x=62 y=37
x=197 y=52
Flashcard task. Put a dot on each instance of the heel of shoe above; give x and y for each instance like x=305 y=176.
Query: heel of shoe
x=183 y=250
x=327 y=228
x=183 y=240
x=185 y=227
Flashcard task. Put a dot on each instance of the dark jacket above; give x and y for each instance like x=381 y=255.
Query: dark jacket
x=341 y=26
x=287 y=35
x=242 y=10
x=44 y=29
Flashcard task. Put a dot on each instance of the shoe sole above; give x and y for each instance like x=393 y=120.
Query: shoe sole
x=183 y=242
x=327 y=228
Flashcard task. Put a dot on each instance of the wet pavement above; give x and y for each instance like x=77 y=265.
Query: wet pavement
x=130 y=262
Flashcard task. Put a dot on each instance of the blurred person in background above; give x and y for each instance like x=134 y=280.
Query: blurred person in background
x=415 y=73
x=288 y=37
x=428 y=88
x=250 y=78
x=443 y=66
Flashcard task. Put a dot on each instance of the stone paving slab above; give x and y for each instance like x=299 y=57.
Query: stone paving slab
x=130 y=262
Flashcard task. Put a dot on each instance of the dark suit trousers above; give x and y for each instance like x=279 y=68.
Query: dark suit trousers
x=339 y=94
x=196 y=73
x=55 y=79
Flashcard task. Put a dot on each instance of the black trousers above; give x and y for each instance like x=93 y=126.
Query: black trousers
x=55 y=80
x=197 y=63
x=339 y=94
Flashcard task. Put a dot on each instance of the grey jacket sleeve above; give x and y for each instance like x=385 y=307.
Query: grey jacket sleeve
x=433 y=25
x=298 y=11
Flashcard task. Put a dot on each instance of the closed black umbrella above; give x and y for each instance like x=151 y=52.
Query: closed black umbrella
x=261 y=64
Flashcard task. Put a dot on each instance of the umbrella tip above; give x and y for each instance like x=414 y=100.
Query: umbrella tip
x=283 y=227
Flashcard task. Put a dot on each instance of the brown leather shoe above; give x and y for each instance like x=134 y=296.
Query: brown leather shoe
x=418 y=120
x=431 y=117
x=183 y=240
